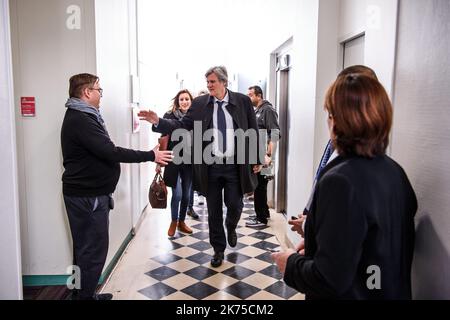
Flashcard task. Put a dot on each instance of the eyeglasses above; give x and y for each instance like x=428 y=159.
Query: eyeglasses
x=100 y=90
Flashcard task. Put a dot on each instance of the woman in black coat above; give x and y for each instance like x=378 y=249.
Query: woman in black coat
x=178 y=176
x=359 y=235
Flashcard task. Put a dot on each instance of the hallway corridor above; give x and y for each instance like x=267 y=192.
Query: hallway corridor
x=157 y=267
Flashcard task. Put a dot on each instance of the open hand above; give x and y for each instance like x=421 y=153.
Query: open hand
x=162 y=157
x=149 y=115
x=257 y=168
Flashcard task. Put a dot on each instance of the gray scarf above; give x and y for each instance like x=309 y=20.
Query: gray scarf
x=178 y=114
x=80 y=105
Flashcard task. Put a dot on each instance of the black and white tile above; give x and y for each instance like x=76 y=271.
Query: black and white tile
x=179 y=267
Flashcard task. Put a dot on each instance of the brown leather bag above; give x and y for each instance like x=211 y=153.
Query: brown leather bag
x=163 y=144
x=157 y=194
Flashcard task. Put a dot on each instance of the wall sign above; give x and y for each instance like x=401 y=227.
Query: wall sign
x=28 y=106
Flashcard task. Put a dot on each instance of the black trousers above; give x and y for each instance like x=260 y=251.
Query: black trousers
x=89 y=222
x=260 y=199
x=223 y=177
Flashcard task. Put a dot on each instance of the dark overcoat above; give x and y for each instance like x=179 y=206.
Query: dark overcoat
x=199 y=119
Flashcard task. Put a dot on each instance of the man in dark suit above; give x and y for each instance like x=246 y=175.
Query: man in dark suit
x=228 y=164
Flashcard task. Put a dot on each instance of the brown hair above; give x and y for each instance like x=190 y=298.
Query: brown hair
x=362 y=115
x=176 y=102
x=358 y=69
x=79 y=82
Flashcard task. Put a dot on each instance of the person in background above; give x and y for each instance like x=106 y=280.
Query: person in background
x=91 y=172
x=178 y=176
x=328 y=154
x=359 y=234
x=267 y=119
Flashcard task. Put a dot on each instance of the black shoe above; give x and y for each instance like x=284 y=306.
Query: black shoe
x=103 y=296
x=192 y=213
x=232 y=238
x=217 y=259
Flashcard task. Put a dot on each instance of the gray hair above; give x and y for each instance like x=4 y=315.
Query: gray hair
x=220 y=72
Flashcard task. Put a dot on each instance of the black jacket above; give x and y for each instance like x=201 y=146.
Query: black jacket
x=171 y=171
x=267 y=118
x=90 y=158
x=362 y=216
x=201 y=112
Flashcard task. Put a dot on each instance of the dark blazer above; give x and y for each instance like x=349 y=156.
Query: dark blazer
x=171 y=171
x=362 y=215
x=201 y=112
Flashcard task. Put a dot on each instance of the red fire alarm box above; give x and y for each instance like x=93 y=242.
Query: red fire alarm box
x=28 y=106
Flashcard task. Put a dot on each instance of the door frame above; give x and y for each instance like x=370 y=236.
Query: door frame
x=277 y=188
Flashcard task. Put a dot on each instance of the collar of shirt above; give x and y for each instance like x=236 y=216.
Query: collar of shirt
x=225 y=99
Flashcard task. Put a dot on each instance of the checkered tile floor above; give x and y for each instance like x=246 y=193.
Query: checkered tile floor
x=179 y=267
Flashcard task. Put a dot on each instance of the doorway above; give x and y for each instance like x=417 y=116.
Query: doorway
x=353 y=51
x=278 y=93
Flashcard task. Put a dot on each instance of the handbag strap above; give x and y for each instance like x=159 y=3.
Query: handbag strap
x=157 y=177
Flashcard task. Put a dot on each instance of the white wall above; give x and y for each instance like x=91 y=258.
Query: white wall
x=421 y=136
x=114 y=71
x=352 y=18
x=10 y=259
x=45 y=54
x=302 y=101
x=116 y=61
x=328 y=66
x=380 y=44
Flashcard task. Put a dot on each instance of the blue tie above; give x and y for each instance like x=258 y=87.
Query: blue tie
x=222 y=126
x=326 y=156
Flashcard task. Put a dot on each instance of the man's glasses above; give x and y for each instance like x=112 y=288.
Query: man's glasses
x=100 y=90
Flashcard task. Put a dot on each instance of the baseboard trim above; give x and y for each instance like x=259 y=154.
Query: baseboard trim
x=61 y=279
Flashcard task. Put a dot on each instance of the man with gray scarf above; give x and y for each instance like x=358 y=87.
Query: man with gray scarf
x=92 y=170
